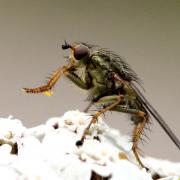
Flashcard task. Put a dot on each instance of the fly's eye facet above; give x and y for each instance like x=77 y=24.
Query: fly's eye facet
x=81 y=51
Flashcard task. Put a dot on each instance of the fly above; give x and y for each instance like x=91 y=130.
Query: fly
x=112 y=85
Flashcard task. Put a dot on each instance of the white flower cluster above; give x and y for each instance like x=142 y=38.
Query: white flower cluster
x=49 y=151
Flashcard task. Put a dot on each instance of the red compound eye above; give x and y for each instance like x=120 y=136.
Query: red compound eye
x=81 y=51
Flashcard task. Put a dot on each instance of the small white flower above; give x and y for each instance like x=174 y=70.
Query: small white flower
x=11 y=129
x=5 y=149
x=97 y=152
x=49 y=152
x=163 y=167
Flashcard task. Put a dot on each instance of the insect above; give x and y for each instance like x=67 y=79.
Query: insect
x=112 y=86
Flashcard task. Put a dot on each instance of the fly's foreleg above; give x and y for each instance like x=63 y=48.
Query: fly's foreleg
x=118 y=99
x=80 y=83
x=77 y=80
x=83 y=84
x=51 y=82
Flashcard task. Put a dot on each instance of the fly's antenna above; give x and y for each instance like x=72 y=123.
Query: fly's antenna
x=66 y=45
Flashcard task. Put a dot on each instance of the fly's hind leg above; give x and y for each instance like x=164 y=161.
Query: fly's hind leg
x=140 y=123
x=116 y=100
x=137 y=133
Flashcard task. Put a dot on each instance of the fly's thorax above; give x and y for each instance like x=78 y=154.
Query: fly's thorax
x=99 y=76
x=100 y=62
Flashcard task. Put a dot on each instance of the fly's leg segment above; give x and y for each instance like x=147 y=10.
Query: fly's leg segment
x=137 y=133
x=78 y=81
x=83 y=84
x=52 y=80
x=141 y=121
x=98 y=113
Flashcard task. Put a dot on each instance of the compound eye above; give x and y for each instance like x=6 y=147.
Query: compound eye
x=81 y=51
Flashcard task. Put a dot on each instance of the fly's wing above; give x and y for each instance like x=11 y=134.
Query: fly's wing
x=156 y=115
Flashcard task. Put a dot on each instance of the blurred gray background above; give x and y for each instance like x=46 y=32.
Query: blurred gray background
x=146 y=33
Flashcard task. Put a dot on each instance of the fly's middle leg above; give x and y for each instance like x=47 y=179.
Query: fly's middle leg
x=117 y=99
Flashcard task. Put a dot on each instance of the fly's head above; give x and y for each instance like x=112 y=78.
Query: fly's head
x=79 y=55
